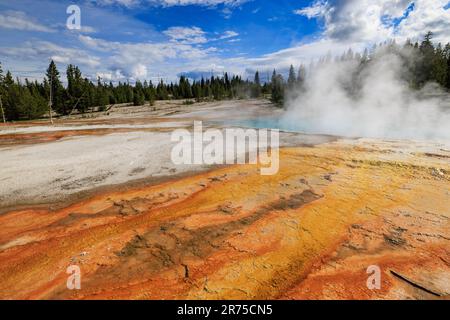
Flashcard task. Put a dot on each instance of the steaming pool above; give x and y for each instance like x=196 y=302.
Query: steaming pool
x=270 y=123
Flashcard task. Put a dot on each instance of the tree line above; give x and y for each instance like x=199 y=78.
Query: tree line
x=33 y=99
x=424 y=62
x=419 y=64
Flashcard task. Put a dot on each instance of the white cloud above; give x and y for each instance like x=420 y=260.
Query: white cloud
x=195 y=35
x=138 y=60
x=428 y=15
x=226 y=4
x=18 y=20
x=317 y=10
x=125 y=3
x=139 y=71
x=186 y=35
x=172 y=3
x=347 y=24
x=45 y=50
x=301 y=54
x=229 y=34
x=374 y=21
x=88 y=29
x=152 y=52
x=207 y=3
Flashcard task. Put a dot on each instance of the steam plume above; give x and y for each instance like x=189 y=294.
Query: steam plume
x=341 y=98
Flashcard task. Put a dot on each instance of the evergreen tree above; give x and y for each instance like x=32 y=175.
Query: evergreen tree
x=11 y=97
x=1 y=74
x=439 y=66
x=256 y=92
x=161 y=91
x=197 y=91
x=138 y=99
x=101 y=95
x=447 y=55
x=301 y=76
x=138 y=94
x=30 y=105
x=277 y=88
x=149 y=92
x=184 y=87
x=425 y=65
x=292 y=78
x=55 y=89
x=29 y=100
x=129 y=93
x=76 y=90
x=2 y=94
x=228 y=86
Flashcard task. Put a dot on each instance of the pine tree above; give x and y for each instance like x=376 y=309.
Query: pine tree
x=277 y=88
x=138 y=99
x=349 y=55
x=101 y=95
x=2 y=94
x=292 y=78
x=425 y=66
x=30 y=105
x=76 y=90
x=10 y=97
x=439 y=66
x=161 y=91
x=301 y=76
x=29 y=99
x=56 y=90
x=256 y=88
x=1 y=74
x=197 y=91
x=129 y=94
x=228 y=91
x=12 y=100
x=138 y=94
x=184 y=86
x=447 y=55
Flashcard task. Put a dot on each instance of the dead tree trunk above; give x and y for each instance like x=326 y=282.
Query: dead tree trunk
x=3 y=111
x=50 y=102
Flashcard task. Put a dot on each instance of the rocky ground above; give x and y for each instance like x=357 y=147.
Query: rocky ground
x=102 y=194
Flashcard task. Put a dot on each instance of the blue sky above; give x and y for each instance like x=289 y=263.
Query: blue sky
x=151 y=39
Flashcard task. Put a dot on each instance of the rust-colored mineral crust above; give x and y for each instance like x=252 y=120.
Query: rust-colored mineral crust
x=309 y=232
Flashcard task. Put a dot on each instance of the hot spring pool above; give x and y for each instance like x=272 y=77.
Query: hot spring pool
x=265 y=123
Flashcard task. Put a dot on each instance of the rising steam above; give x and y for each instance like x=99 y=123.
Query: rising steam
x=340 y=98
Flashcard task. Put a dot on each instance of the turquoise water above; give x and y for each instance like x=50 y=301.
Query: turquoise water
x=270 y=123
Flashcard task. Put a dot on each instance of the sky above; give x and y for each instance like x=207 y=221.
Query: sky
x=127 y=40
